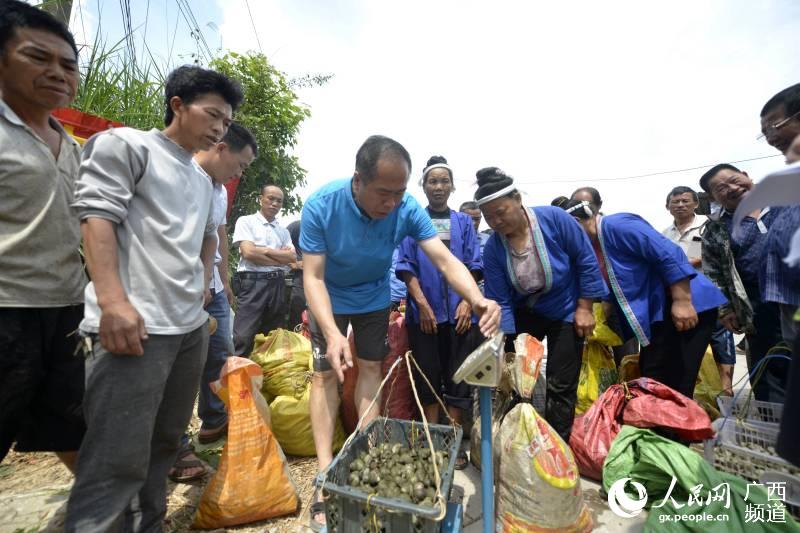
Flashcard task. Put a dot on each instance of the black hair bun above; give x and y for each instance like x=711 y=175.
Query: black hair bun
x=492 y=175
x=436 y=160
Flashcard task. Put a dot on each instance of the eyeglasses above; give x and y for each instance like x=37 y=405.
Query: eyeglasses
x=770 y=128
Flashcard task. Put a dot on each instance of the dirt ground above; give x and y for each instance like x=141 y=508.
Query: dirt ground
x=34 y=488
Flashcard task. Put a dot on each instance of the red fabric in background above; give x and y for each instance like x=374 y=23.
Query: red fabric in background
x=348 y=409
x=231 y=187
x=83 y=124
x=398 y=397
x=649 y=404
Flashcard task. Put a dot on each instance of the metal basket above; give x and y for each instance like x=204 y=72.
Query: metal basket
x=744 y=406
x=347 y=509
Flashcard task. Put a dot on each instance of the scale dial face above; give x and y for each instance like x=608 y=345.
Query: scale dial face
x=482 y=366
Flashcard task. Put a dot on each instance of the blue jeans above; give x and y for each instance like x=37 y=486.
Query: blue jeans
x=210 y=409
x=723 y=346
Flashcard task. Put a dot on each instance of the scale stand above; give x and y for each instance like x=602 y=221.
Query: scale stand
x=482 y=368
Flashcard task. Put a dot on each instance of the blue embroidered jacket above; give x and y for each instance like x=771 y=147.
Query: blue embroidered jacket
x=570 y=268
x=641 y=265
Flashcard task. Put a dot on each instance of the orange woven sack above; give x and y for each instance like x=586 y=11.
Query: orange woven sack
x=252 y=482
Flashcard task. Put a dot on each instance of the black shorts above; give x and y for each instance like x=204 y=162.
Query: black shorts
x=41 y=379
x=370 y=332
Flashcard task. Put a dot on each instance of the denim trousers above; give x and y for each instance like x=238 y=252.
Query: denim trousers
x=210 y=409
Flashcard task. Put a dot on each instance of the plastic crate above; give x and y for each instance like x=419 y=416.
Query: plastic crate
x=730 y=451
x=744 y=406
x=346 y=508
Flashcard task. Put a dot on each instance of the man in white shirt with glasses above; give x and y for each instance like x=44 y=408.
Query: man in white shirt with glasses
x=265 y=251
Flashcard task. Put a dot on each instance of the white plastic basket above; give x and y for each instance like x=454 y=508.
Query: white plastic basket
x=743 y=406
x=746 y=449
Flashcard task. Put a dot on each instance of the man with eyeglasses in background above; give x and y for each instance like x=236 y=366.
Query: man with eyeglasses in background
x=780 y=118
x=780 y=124
x=734 y=266
x=265 y=252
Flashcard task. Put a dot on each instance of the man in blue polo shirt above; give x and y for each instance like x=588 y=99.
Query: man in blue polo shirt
x=350 y=228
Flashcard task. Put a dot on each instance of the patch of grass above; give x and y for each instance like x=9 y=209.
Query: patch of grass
x=7 y=470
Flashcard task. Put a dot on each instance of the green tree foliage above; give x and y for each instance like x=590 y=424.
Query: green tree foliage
x=272 y=112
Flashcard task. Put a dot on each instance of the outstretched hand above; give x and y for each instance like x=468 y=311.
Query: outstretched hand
x=489 y=313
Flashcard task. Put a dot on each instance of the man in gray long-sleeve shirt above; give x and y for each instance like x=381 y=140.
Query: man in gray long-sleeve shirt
x=145 y=210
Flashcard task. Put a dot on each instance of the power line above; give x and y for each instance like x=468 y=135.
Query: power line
x=637 y=176
x=196 y=33
x=252 y=22
x=146 y=20
x=127 y=27
x=200 y=35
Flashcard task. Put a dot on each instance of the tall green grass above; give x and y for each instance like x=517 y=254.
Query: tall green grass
x=117 y=87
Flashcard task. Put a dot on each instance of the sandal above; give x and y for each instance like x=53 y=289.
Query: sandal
x=462 y=461
x=317 y=508
x=213 y=435
x=182 y=464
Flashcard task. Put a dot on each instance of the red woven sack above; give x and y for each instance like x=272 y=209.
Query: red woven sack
x=643 y=403
x=655 y=405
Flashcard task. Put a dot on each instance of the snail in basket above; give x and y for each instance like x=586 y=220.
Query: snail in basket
x=392 y=470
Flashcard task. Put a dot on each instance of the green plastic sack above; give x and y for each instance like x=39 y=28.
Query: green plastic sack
x=646 y=458
x=284 y=358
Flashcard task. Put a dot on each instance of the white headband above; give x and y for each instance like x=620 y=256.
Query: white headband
x=433 y=166
x=586 y=208
x=496 y=195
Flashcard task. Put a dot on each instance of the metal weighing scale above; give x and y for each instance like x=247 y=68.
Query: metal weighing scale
x=483 y=370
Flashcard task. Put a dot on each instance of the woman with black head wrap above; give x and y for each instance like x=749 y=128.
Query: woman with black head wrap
x=539 y=266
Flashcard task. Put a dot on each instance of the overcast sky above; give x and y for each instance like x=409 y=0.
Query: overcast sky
x=558 y=94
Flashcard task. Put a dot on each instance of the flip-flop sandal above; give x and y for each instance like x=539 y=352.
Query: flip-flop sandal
x=182 y=464
x=318 y=507
x=462 y=461
x=213 y=435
